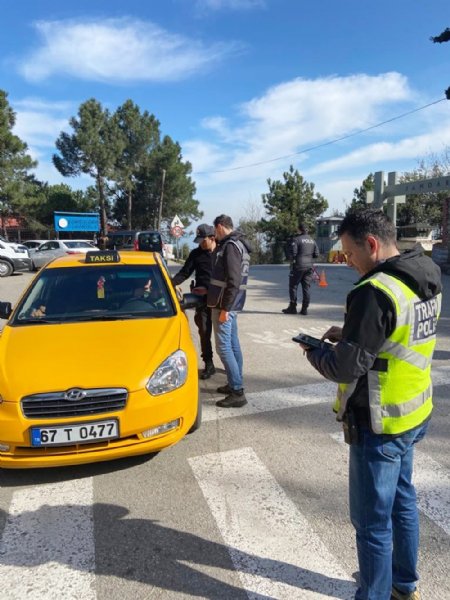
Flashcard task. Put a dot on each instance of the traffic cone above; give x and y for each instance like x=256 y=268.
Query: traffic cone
x=323 y=279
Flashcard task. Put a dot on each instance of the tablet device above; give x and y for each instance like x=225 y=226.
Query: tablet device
x=308 y=340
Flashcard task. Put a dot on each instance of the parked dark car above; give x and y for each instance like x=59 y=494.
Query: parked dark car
x=146 y=241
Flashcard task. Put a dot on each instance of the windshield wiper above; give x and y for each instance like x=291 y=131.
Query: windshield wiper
x=37 y=321
x=117 y=317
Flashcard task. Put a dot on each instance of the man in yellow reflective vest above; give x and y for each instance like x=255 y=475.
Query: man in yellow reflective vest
x=381 y=361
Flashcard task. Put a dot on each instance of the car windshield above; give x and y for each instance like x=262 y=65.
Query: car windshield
x=150 y=240
x=86 y=293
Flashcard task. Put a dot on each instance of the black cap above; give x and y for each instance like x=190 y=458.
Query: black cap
x=203 y=231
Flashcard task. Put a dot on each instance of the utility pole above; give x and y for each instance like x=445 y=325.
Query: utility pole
x=158 y=224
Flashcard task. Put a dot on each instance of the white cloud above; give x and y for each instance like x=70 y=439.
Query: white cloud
x=293 y=116
x=302 y=114
x=38 y=128
x=39 y=122
x=205 y=155
x=383 y=152
x=119 y=50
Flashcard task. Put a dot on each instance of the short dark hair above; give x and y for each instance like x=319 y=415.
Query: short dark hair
x=359 y=224
x=301 y=227
x=223 y=220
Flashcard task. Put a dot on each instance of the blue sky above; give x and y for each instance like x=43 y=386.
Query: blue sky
x=239 y=82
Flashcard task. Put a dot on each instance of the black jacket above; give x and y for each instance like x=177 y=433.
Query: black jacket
x=200 y=261
x=228 y=267
x=302 y=251
x=370 y=319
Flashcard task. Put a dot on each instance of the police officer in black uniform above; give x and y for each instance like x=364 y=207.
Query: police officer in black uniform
x=200 y=261
x=302 y=251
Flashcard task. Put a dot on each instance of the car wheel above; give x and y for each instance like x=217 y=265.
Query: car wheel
x=198 y=418
x=5 y=268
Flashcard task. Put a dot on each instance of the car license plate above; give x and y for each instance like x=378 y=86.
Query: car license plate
x=64 y=435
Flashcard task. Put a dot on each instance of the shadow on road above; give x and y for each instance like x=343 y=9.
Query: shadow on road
x=153 y=554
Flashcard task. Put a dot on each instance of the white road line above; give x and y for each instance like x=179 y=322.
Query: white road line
x=432 y=482
x=297 y=396
x=47 y=549
x=440 y=375
x=271 y=544
x=277 y=399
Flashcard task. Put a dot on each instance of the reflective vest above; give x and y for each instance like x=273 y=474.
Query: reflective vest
x=400 y=396
x=218 y=282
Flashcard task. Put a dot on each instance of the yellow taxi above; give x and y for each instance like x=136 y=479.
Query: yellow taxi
x=96 y=363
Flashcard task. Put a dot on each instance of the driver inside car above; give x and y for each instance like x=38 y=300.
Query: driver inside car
x=144 y=294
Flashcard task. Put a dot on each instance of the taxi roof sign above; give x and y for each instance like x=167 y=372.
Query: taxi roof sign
x=102 y=257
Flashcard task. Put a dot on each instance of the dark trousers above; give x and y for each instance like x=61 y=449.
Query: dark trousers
x=202 y=319
x=304 y=277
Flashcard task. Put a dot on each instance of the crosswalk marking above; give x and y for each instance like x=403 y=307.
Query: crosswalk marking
x=47 y=548
x=292 y=397
x=432 y=484
x=274 y=549
x=277 y=399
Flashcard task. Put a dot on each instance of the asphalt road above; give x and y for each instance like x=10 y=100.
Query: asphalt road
x=253 y=505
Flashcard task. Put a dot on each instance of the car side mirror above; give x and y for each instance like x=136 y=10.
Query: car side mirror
x=192 y=301
x=5 y=310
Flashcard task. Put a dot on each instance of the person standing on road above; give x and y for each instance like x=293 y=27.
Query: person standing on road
x=301 y=251
x=226 y=296
x=200 y=261
x=382 y=362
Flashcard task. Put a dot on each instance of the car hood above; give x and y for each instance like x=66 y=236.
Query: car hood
x=44 y=358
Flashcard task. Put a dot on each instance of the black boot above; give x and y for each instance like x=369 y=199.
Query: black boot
x=224 y=389
x=291 y=309
x=304 y=310
x=209 y=370
x=234 y=400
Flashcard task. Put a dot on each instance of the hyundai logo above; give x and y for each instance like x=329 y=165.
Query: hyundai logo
x=74 y=394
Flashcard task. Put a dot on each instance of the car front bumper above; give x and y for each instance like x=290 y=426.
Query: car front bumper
x=142 y=412
x=22 y=264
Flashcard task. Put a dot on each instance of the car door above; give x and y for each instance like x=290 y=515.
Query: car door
x=45 y=253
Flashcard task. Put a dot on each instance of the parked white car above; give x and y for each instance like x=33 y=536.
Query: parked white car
x=54 y=248
x=13 y=258
x=33 y=244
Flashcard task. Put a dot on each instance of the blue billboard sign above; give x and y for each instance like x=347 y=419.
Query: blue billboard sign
x=68 y=221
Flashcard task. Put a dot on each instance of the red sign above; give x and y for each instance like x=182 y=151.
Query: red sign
x=176 y=231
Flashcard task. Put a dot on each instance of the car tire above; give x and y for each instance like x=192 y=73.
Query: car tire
x=6 y=268
x=198 y=419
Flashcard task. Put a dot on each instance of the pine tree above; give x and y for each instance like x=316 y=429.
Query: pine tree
x=287 y=203
x=93 y=148
x=15 y=163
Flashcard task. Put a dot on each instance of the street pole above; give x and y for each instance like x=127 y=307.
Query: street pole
x=161 y=199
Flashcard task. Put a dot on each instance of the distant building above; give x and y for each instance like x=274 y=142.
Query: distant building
x=327 y=238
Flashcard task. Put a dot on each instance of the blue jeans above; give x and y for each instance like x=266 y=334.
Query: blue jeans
x=228 y=347
x=384 y=512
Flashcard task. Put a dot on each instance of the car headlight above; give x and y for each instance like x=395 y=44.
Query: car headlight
x=170 y=375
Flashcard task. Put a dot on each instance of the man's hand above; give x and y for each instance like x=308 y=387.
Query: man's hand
x=223 y=317
x=334 y=334
x=38 y=312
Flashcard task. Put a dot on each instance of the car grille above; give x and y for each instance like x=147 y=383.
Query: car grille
x=74 y=402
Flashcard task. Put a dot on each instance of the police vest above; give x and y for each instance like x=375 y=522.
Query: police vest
x=218 y=283
x=400 y=396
